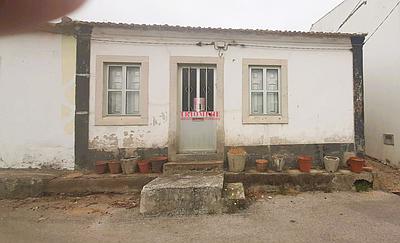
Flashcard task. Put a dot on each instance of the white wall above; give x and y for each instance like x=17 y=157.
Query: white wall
x=320 y=91
x=381 y=71
x=37 y=101
x=320 y=99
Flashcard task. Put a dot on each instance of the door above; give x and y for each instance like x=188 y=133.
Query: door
x=196 y=105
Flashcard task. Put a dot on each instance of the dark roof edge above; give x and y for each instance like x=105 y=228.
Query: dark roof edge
x=66 y=26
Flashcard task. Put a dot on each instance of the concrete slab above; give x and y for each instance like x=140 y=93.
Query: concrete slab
x=339 y=181
x=235 y=191
x=23 y=183
x=92 y=184
x=17 y=184
x=183 y=195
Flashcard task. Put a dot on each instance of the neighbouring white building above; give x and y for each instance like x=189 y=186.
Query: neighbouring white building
x=78 y=91
x=381 y=19
x=37 y=96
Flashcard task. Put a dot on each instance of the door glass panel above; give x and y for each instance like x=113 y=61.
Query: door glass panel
x=114 y=102
x=210 y=89
x=203 y=81
x=132 y=102
x=272 y=103
x=115 y=77
x=272 y=79
x=257 y=103
x=185 y=89
x=133 y=78
x=256 y=79
x=192 y=87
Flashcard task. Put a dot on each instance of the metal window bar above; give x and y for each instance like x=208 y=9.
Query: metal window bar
x=188 y=83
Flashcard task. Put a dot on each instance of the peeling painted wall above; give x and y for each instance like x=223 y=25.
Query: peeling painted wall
x=381 y=71
x=37 y=96
x=320 y=89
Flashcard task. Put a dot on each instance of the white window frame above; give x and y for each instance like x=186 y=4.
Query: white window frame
x=283 y=116
x=102 y=117
x=123 y=89
x=265 y=90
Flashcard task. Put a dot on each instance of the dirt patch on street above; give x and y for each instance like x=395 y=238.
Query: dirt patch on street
x=387 y=179
x=99 y=204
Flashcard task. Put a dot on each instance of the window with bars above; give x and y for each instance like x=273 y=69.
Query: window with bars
x=123 y=89
x=264 y=88
x=197 y=82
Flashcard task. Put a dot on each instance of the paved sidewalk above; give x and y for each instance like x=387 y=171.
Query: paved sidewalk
x=307 y=217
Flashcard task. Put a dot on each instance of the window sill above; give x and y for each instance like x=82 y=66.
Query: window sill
x=279 y=119
x=121 y=121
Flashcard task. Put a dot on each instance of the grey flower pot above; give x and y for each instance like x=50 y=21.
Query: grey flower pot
x=236 y=162
x=331 y=163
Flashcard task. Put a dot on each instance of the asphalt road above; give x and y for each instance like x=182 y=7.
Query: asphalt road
x=307 y=217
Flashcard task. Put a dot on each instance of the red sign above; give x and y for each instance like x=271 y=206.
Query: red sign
x=202 y=115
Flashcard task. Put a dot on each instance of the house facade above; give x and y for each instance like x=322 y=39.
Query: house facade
x=381 y=19
x=192 y=93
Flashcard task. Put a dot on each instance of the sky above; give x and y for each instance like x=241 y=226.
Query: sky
x=253 y=14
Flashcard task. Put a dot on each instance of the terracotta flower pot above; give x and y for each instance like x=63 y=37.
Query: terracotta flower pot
x=368 y=169
x=356 y=164
x=346 y=157
x=144 y=166
x=101 y=167
x=305 y=163
x=115 y=167
x=261 y=165
x=157 y=164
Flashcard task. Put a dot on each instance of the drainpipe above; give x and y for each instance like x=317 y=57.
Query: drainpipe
x=83 y=35
x=358 y=94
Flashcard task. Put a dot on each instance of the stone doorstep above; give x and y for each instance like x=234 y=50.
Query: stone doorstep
x=198 y=157
x=171 y=168
x=183 y=194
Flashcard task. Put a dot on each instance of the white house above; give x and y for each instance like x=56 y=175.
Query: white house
x=381 y=19
x=189 y=93
x=37 y=95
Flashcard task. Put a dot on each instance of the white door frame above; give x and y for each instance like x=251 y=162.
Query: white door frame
x=174 y=113
x=206 y=149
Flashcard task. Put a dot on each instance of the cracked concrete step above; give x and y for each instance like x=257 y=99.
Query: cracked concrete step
x=234 y=191
x=199 y=156
x=183 y=195
x=192 y=166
